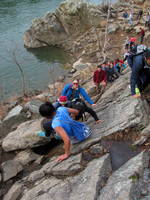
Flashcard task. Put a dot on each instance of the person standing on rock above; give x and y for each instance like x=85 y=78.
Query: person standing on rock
x=125 y=16
x=140 y=76
x=69 y=130
x=140 y=13
x=130 y=18
x=100 y=79
x=142 y=33
x=73 y=91
x=147 y=22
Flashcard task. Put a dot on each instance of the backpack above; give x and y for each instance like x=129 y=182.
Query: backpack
x=80 y=105
x=141 y=49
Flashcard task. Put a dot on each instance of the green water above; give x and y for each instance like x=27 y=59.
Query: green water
x=15 y=19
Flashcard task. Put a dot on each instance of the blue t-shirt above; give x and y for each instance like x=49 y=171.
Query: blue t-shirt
x=76 y=131
x=62 y=116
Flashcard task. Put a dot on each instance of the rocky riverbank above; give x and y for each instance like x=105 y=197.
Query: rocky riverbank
x=89 y=173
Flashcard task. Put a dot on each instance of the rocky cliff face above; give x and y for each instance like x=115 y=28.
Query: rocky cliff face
x=71 y=19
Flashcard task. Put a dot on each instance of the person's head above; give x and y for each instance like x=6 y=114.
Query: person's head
x=62 y=100
x=147 y=57
x=132 y=40
x=103 y=64
x=117 y=60
x=47 y=110
x=99 y=67
x=75 y=83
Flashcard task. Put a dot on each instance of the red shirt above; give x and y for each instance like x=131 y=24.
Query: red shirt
x=99 y=76
x=142 y=32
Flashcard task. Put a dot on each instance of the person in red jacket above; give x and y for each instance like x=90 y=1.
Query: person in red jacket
x=142 y=33
x=100 y=78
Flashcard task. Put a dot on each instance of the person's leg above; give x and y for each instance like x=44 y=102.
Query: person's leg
x=91 y=112
x=142 y=37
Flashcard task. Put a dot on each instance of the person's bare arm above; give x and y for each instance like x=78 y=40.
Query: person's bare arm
x=73 y=111
x=67 y=145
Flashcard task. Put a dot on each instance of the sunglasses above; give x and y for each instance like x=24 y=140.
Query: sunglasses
x=75 y=83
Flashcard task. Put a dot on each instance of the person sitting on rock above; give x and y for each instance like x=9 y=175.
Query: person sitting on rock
x=113 y=72
x=100 y=79
x=69 y=130
x=140 y=76
x=73 y=91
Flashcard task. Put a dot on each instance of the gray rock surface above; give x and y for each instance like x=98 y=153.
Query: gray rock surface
x=12 y=120
x=124 y=183
x=112 y=28
x=79 y=65
x=25 y=157
x=83 y=186
x=33 y=106
x=34 y=176
x=42 y=187
x=14 y=192
x=14 y=112
x=10 y=168
x=25 y=136
x=68 y=167
x=146 y=131
x=118 y=110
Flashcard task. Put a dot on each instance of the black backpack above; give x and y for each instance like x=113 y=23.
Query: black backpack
x=80 y=105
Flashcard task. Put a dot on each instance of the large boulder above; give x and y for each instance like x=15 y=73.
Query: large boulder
x=10 y=168
x=71 y=18
x=25 y=136
x=33 y=106
x=83 y=186
x=124 y=183
x=12 y=120
x=14 y=192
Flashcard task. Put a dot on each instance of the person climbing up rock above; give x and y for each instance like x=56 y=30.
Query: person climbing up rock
x=100 y=79
x=69 y=130
x=140 y=76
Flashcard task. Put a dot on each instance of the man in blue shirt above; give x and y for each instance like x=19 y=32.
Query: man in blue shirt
x=69 y=130
x=73 y=91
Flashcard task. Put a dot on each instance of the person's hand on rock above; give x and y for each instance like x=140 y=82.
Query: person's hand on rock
x=99 y=121
x=62 y=157
x=93 y=105
x=137 y=96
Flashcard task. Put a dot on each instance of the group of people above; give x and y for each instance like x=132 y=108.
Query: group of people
x=62 y=117
x=107 y=72
x=128 y=17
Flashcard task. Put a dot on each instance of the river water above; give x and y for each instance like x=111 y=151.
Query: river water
x=39 y=65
